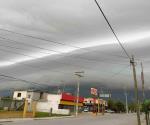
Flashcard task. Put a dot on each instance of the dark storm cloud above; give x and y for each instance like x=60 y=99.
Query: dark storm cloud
x=75 y=23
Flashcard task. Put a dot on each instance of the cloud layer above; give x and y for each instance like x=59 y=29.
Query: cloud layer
x=78 y=39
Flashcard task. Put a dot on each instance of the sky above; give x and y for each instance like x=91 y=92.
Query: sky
x=46 y=41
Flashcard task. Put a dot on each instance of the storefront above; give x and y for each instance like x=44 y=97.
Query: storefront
x=68 y=101
x=94 y=105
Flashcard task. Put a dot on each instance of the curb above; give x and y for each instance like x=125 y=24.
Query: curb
x=25 y=119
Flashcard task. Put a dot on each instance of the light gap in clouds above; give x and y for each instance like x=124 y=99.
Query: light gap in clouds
x=130 y=38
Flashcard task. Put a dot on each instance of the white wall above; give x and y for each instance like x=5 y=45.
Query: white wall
x=23 y=95
x=53 y=102
x=43 y=107
x=46 y=107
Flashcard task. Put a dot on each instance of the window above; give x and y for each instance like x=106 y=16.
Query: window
x=19 y=95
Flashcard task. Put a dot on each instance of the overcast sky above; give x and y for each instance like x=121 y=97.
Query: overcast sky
x=75 y=37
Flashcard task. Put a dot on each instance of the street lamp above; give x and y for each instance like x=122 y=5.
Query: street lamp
x=78 y=74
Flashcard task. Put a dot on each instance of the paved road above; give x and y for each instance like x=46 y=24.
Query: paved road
x=109 y=119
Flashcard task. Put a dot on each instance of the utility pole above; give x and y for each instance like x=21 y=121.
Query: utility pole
x=78 y=74
x=143 y=82
x=126 y=96
x=132 y=61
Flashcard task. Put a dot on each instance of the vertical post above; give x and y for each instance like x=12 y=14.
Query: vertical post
x=77 y=98
x=95 y=105
x=25 y=109
x=33 y=108
x=126 y=96
x=136 y=90
x=98 y=102
x=78 y=74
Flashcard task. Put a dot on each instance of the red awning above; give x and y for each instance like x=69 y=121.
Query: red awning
x=68 y=97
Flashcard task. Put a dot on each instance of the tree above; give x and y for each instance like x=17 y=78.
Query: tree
x=116 y=106
x=132 y=107
x=111 y=104
x=120 y=107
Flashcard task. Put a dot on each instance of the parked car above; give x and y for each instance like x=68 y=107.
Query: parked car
x=86 y=109
x=109 y=111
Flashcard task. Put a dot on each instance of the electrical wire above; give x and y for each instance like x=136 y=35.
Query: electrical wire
x=68 y=45
x=68 y=56
x=111 y=28
x=25 y=81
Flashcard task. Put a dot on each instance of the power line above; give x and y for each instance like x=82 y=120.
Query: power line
x=76 y=47
x=45 y=67
x=119 y=72
x=19 y=48
x=10 y=51
x=111 y=28
x=18 y=79
x=70 y=56
x=39 y=38
x=29 y=45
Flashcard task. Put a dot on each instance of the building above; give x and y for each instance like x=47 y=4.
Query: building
x=63 y=103
x=68 y=101
x=92 y=104
x=30 y=95
x=19 y=98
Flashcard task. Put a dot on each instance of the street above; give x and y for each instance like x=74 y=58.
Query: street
x=108 y=119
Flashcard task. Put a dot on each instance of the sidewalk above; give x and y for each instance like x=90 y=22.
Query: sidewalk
x=45 y=118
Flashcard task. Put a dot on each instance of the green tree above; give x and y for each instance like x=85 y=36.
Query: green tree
x=119 y=107
x=116 y=106
x=132 y=107
x=111 y=104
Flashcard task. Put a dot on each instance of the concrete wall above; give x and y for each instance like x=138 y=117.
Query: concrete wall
x=46 y=107
x=33 y=96
x=43 y=107
x=53 y=102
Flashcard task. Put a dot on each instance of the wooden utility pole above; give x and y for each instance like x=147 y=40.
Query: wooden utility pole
x=136 y=90
x=143 y=82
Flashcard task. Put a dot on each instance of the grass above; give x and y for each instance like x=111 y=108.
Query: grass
x=41 y=114
x=45 y=114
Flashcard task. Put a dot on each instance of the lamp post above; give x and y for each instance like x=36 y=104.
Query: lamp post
x=78 y=74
